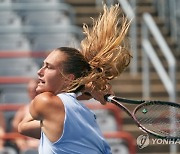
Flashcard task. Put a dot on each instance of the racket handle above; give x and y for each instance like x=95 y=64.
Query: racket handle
x=108 y=97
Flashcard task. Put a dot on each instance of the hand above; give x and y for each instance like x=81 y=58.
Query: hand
x=30 y=127
x=98 y=94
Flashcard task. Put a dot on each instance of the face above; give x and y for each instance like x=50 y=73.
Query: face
x=50 y=75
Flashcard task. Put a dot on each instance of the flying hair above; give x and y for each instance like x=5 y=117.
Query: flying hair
x=104 y=48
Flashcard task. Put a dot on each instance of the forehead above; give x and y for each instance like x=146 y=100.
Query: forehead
x=55 y=58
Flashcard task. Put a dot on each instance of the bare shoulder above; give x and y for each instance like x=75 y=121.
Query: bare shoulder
x=46 y=98
x=45 y=103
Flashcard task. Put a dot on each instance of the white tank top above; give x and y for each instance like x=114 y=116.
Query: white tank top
x=81 y=134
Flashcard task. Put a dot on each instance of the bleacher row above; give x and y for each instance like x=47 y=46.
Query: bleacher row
x=28 y=30
x=34 y=26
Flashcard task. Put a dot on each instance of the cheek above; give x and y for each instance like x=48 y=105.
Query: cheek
x=54 y=82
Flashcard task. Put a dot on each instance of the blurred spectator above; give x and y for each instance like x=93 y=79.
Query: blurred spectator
x=30 y=143
x=2 y=130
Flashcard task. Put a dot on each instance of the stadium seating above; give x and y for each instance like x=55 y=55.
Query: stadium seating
x=121 y=142
x=13 y=93
x=47 y=42
x=14 y=97
x=18 y=67
x=9 y=18
x=36 y=1
x=8 y=150
x=30 y=151
x=28 y=18
x=6 y=2
x=47 y=18
x=14 y=42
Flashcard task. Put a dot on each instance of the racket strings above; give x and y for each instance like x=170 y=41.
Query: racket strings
x=160 y=119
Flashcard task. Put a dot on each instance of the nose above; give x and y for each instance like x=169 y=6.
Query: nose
x=40 y=71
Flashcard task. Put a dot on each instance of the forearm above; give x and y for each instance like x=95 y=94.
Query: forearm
x=30 y=127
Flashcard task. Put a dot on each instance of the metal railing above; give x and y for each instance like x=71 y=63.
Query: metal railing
x=168 y=78
x=168 y=13
x=130 y=11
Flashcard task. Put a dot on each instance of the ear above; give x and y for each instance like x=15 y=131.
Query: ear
x=70 y=77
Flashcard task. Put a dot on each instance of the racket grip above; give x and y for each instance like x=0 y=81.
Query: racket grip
x=108 y=97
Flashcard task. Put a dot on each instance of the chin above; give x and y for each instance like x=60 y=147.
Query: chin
x=40 y=90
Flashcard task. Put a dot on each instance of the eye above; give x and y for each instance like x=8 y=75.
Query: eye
x=48 y=66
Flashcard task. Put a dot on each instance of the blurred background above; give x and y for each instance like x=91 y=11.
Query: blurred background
x=31 y=28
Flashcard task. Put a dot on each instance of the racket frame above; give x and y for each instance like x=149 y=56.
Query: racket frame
x=116 y=101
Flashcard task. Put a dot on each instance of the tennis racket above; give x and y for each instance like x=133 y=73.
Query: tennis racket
x=158 y=118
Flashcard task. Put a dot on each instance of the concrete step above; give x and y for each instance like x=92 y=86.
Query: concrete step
x=87 y=10
x=127 y=78
x=84 y=10
x=144 y=2
x=142 y=9
x=131 y=87
x=169 y=40
x=157 y=20
x=155 y=88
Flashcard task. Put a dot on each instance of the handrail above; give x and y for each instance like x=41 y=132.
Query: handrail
x=127 y=9
x=167 y=11
x=168 y=79
x=130 y=11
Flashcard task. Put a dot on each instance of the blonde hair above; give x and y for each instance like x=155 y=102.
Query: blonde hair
x=104 y=48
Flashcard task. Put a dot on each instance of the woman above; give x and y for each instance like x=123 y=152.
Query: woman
x=62 y=123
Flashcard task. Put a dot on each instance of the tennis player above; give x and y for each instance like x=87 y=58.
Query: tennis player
x=56 y=117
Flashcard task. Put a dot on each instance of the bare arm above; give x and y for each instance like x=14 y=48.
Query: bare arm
x=46 y=113
x=20 y=114
x=30 y=127
x=31 y=124
x=2 y=121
